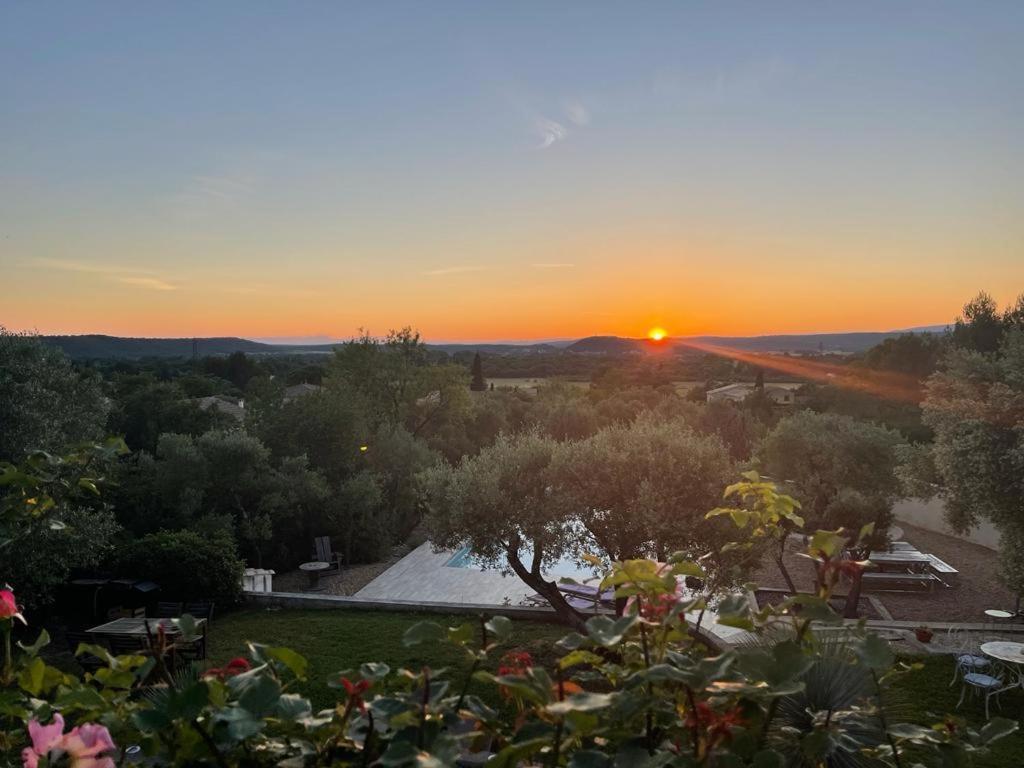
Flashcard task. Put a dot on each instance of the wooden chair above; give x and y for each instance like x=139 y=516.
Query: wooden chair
x=324 y=554
x=167 y=610
x=200 y=609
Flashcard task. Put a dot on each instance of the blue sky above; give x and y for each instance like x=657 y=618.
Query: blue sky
x=486 y=171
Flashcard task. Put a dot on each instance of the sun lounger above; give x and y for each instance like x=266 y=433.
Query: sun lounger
x=892 y=581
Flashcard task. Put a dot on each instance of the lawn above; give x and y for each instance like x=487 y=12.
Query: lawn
x=334 y=641
x=337 y=640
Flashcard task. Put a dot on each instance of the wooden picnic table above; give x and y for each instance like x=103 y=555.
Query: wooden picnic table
x=905 y=560
x=139 y=627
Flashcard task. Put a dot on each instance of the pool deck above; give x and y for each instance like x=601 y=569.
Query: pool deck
x=423 y=576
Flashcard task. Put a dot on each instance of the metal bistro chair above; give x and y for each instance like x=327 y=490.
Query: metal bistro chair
x=987 y=684
x=966 y=655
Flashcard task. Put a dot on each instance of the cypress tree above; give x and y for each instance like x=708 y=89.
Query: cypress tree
x=478 y=384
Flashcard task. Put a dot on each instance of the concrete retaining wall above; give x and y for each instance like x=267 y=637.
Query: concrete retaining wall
x=930 y=515
x=321 y=601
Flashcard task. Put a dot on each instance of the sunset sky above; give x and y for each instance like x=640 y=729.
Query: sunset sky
x=507 y=171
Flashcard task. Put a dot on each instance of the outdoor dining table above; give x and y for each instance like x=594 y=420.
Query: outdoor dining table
x=132 y=627
x=1011 y=654
x=902 y=560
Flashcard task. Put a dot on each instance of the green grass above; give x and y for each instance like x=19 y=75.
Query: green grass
x=333 y=641
x=924 y=697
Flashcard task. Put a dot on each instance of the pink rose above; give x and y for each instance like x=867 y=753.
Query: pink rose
x=83 y=744
x=9 y=606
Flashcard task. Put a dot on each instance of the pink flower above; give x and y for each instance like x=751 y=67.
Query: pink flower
x=9 y=606
x=83 y=744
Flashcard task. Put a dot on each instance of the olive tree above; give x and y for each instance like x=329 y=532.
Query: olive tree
x=841 y=469
x=501 y=504
x=975 y=405
x=642 y=489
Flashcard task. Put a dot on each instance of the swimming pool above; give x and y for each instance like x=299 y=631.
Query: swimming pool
x=565 y=568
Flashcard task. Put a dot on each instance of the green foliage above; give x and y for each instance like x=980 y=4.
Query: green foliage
x=186 y=565
x=640 y=688
x=51 y=519
x=825 y=458
x=45 y=404
x=975 y=405
x=145 y=408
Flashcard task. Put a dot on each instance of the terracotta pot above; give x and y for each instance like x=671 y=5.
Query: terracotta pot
x=923 y=635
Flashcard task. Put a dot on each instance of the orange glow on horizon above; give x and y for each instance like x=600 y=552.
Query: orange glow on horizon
x=657 y=333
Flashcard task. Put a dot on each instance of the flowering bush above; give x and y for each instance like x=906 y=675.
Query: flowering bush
x=637 y=689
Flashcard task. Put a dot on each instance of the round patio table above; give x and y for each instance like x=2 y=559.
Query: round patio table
x=1010 y=653
x=314 y=569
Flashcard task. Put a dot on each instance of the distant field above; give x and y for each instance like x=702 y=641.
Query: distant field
x=539 y=381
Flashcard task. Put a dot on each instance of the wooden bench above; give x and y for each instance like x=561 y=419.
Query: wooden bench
x=946 y=572
x=889 y=581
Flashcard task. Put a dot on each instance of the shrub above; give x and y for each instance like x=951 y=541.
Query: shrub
x=187 y=566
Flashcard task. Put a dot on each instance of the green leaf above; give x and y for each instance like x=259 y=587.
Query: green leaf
x=423 y=632
x=291 y=706
x=256 y=690
x=875 y=652
x=608 y=632
x=32 y=677
x=41 y=642
x=500 y=627
x=582 y=702
x=295 y=662
x=374 y=670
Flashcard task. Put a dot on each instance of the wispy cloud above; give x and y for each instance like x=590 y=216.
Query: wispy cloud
x=550 y=131
x=577 y=113
x=453 y=270
x=553 y=265
x=148 y=282
x=117 y=273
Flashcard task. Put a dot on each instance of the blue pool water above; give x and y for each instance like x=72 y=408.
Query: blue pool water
x=566 y=568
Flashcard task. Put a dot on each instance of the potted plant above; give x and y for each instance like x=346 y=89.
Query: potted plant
x=923 y=634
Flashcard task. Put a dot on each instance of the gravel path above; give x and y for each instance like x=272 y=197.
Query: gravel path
x=979 y=586
x=351 y=579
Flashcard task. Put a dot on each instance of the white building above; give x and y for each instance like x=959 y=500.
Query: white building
x=780 y=394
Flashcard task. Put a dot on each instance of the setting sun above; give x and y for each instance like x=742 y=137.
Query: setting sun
x=657 y=334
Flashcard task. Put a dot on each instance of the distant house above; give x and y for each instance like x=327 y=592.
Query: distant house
x=300 y=390
x=233 y=408
x=737 y=393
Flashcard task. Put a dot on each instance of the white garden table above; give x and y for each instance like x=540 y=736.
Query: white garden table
x=1012 y=654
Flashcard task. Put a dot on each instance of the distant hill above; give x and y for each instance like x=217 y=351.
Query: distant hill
x=98 y=347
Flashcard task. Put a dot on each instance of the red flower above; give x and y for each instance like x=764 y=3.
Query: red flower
x=656 y=608
x=9 y=606
x=355 y=692
x=515 y=663
x=717 y=725
x=236 y=666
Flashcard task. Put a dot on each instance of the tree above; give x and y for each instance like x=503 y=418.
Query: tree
x=52 y=520
x=915 y=354
x=145 y=408
x=642 y=489
x=842 y=470
x=477 y=384
x=975 y=405
x=45 y=404
x=500 y=504
x=980 y=327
